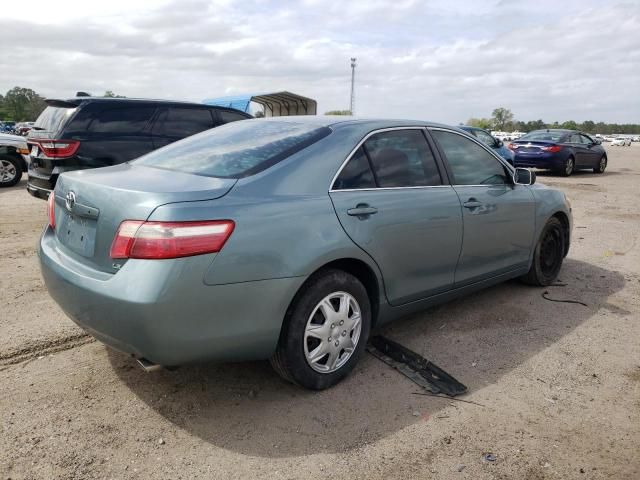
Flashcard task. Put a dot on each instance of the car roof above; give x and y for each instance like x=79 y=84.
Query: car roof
x=344 y=120
x=76 y=101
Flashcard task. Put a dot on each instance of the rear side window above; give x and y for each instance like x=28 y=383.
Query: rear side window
x=52 y=119
x=183 y=122
x=470 y=163
x=402 y=158
x=228 y=116
x=236 y=150
x=356 y=173
x=121 y=120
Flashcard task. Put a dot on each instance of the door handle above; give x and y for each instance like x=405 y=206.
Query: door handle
x=472 y=203
x=362 y=210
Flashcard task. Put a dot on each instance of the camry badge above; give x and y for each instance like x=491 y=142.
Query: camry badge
x=70 y=200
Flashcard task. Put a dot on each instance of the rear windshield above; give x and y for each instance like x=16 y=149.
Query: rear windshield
x=235 y=150
x=543 y=136
x=53 y=118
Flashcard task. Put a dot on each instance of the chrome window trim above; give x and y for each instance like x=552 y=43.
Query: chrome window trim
x=371 y=189
x=359 y=144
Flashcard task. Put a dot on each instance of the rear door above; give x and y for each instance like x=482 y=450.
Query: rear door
x=177 y=122
x=499 y=217
x=112 y=134
x=583 y=156
x=391 y=200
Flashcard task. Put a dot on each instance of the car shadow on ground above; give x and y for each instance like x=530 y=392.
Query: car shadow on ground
x=247 y=408
x=21 y=185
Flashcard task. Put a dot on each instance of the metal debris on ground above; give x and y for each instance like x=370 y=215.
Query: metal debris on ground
x=415 y=367
x=489 y=457
x=546 y=293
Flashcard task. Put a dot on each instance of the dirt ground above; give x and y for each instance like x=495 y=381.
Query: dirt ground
x=556 y=386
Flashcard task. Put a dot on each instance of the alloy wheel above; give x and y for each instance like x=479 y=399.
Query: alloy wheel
x=7 y=171
x=603 y=164
x=569 y=167
x=332 y=332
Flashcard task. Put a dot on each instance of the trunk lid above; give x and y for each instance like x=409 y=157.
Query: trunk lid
x=531 y=147
x=91 y=204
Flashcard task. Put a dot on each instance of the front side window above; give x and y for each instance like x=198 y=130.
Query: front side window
x=402 y=158
x=485 y=138
x=575 y=138
x=237 y=149
x=470 y=163
x=128 y=120
x=228 y=116
x=183 y=122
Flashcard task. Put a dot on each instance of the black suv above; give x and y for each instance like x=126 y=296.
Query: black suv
x=90 y=132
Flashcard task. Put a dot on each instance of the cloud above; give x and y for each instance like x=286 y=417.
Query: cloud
x=438 y=60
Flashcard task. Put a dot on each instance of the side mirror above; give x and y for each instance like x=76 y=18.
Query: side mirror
x=498 y=143
x=523 y=176
x=598 y=141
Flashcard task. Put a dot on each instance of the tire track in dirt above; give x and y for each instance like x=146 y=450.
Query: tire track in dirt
x=44 y=347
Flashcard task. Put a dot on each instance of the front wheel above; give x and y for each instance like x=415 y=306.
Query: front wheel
x=10 y=171
x=548 y=255
x=325 y=331
x=602 y=165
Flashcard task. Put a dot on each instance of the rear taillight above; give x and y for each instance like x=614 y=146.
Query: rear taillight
x=158 y=240
x=51 y=210
x=552 y=148
x=512 y=146
x=58 y=148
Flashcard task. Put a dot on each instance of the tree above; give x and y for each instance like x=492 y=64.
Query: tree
x=23 y=104
x=484 y=123
x=338 y=112
x=588 y=126
x=501 y=117
x=570 y=125
x=110 y=94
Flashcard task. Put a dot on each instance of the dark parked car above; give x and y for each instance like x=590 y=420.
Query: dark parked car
x=88 y=132
x=291 y=238
x=562 y=151
x=491 y=142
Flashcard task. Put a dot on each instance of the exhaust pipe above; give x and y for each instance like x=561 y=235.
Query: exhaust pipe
x=148 y=366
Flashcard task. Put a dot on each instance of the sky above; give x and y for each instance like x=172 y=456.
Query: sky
x=437 y=60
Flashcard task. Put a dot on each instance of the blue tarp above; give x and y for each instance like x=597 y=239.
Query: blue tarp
x=275 y=104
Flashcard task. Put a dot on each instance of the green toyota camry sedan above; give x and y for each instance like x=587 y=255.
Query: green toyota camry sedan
x=290 y=238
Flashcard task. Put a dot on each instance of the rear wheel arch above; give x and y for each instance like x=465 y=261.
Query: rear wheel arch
x=359 y=269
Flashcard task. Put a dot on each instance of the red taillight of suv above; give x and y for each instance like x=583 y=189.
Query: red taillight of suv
x=513 y=146
x=552 y=148
x=162 y=240
x=58 y=148
x=51 y=210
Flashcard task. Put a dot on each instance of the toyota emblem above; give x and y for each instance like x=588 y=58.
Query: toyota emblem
x=70 y=200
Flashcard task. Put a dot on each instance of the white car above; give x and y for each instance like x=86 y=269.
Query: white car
x=14 y=158
x=620 y=142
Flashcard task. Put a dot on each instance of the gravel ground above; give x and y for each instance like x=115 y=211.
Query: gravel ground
x=556 y=386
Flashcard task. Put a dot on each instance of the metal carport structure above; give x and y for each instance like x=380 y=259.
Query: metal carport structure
x=275 y=104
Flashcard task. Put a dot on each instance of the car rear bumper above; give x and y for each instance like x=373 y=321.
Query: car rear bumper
x=543 y=161
x=162 y=311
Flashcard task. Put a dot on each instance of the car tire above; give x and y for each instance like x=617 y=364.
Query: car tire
x=547 y=256
x=320 y=342
x=569 y=167
x=10 y=171
x=602 y=165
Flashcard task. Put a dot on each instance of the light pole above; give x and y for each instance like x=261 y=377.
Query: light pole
x=353 y=77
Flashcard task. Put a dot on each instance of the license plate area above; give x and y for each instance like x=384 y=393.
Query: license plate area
x=77 y=233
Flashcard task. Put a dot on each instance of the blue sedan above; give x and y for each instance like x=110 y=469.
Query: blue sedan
x=291 y=238
x=558 y=150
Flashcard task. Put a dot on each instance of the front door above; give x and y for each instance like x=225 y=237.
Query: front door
x=499 y=216
x=391 y=201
